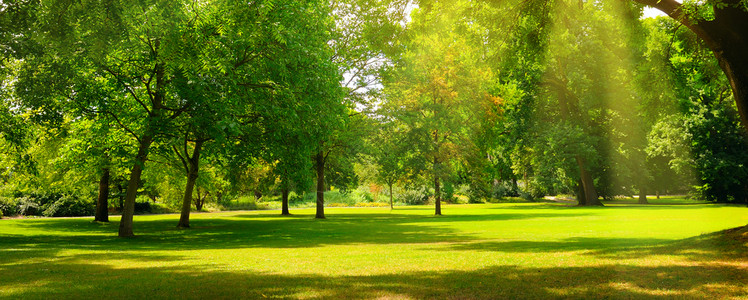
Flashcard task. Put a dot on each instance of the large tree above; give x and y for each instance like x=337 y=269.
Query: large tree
x=360 y=44
x=723 y=26
x=437 y=85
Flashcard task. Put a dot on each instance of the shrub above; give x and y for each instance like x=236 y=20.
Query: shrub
x=9 y=206
x=504 y=189
x=162 y=208
x=68 y=206
x=28 y=206
x=448 y=192
x=243 y=203
x=373 y=204
x=142 y=207
x=416 y=196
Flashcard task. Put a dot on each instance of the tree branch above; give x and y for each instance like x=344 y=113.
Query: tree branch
x=129 y=89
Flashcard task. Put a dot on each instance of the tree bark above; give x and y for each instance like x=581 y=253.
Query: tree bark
x=643 y=195
x=121 y=198
x=200 y=200
x=320 y=162
x=284 y=200
x=194 y=171
x=392 y=205
x=588 y=184
x=102 y=203
x=437 y=196
x=128 y=210
x=581 y=197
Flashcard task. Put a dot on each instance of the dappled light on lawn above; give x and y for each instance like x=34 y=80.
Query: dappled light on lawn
x=478 y=251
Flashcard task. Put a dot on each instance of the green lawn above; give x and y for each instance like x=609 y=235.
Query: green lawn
x=473 y=251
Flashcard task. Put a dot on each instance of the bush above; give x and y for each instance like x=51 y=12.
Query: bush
x=504 y=189
x=9 y=206
x=243 y=203
x=416 y=196
x=143 y=207
x=46 y=204
x=303 y=198
x=448 y=192
x=28 y=206
x=162 y=208
x=68 y=206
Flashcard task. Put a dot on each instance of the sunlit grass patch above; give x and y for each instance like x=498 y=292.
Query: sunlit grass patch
x=525 y=250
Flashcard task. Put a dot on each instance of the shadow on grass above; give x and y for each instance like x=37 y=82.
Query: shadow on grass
x=710 y=247
x=54 y=280
x=252 y=231
x=596 y=244
x=99 y=265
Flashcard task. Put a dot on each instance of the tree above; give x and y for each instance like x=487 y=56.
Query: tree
x=703 y=138
x=388 y=153
x=723 y=26
x=437 y=86
x=359 y=45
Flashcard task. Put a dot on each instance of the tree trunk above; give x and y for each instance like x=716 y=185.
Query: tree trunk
x=437 y=196
x=658 y=194
x=588 y=184
x=121 y=198
x=392 y=205
x=128 y=210
x=102 y=203
x=320 y=161
x=643 y=195
x=200 y=200
x=284 y=200
x=194 y=171
x=125 y=225
x=581 y=197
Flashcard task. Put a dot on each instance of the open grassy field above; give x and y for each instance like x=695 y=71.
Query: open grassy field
x=474 y=251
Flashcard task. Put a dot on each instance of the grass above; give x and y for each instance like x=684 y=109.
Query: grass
x=536 y=250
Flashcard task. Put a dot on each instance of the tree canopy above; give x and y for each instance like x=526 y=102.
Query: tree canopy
x=203 y=104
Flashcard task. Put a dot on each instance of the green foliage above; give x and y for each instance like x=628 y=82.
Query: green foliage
x=68 y=206
x=416 y=196
x=490 y=99
x=718 y=142
x=143 y=207
x=9 y=206
x=48 y=204
x=702 y=140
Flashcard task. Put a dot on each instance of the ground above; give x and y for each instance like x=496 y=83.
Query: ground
x=489 y=251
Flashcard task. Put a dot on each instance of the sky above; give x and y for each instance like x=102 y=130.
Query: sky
x=652 y=12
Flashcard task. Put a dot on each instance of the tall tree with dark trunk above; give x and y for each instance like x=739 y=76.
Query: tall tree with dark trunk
x=102 y=203
x=319 y=165
x=436 y=88
x=191 y=163
x=360 y=48
x=284 y=200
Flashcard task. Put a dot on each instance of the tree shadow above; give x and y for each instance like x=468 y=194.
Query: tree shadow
x=35 y=265
x=253 y=231
x=497 y=282
x=595 y=244
x=705 y=248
